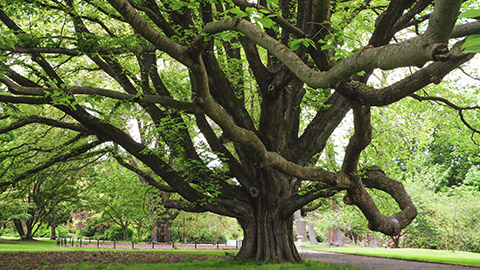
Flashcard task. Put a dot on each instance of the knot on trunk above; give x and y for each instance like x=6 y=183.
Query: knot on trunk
x=254 y=192
x=198 y=100
x=440 y=52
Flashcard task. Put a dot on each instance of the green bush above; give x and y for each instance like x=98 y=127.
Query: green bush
x=202 y=235
x=95 y=229
x=44 y=232
x=62 y=232
x=116 y=233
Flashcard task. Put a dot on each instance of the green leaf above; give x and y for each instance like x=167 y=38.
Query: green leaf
x=304 y=41
x=237 y=11
x=127 y=105
x=472 y=44
x=251 y=10
x=472 y=13
x=295 y=44
x=266 y=22
x=175 y=5
x=472 y=49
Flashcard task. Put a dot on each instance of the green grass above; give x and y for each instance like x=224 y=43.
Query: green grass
x=42 y=245
x=212 y=264
x=429 y=255
x=15 y=246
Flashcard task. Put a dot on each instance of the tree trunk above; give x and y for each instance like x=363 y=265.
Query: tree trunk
x=162 y=227
x=311 y=231
x=19 y=228
x=165 y=234
x=301 y=226
x=125 y=233
x=268 y=235
x=29 y=234
x=269 y=239
x=53 y=226
x=53 y=234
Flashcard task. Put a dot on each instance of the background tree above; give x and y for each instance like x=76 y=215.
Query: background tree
x=242 y=96
x=119 y=197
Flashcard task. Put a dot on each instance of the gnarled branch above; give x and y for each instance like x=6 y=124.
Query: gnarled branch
x=376 y=178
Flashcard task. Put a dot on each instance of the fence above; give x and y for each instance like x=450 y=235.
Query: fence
x=97 y=243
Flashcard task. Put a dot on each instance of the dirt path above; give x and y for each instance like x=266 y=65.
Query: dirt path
x=370 y=263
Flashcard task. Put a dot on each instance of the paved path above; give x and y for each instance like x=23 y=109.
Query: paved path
x=369 y=262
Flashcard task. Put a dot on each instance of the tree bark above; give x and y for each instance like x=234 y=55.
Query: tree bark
x=311 y=231
x=53 y=226
x=162 y=227
x=269 y=238
x=301 y=226
x=268 y=233
x=125 y=233
x=19 y=228
x=53 y=234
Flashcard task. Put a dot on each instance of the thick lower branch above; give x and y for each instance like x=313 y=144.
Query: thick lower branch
x=377 y=179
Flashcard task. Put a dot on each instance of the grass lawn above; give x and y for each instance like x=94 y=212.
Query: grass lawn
x=429 y=255
x=15 y=246
x=44 y=245
x=213 y=264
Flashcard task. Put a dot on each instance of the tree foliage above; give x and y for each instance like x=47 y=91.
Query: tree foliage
x=236 y=100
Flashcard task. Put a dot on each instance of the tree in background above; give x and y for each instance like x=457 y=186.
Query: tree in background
x=119 y=197
x=240 y=98
x=44 y=197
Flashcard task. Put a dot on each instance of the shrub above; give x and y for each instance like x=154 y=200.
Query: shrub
x=116 y=233
x=63 y=232
x=95 y=229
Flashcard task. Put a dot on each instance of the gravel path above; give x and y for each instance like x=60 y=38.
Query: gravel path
x=369 y=262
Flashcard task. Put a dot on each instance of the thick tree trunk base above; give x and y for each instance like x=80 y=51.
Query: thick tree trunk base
x=269 y=238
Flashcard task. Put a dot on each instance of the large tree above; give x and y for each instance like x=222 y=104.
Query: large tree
x=239 y=98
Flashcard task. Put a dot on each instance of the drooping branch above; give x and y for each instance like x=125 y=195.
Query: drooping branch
x=376 y=178
x=147 y=177
x=183 y=205
x=251 y=140
x=42 y=120
x=450 y=104
x=360 y=139
x=36 y=57
x=298 y=200
x=77 y=52
x=58 y=158
x=88 y=90
x=24 y=100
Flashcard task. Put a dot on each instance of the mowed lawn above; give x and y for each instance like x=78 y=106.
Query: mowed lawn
x=429 y=255
x=15 y=246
